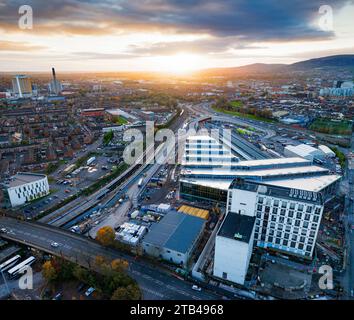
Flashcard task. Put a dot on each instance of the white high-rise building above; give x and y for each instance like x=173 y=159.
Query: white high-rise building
x=22 y=86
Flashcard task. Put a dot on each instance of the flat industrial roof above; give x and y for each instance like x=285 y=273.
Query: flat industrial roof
x=237 y=227
x=276 y=161
x=120 y=112
x=175 y=231
x=258 y=173
x=22 y=178
x=202 y=138
x=314 y=183
x=201 y=213
x=272 y=164
x=211 y=183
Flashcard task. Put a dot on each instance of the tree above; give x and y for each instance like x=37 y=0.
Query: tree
x=99 y=261
x=131 y=292
x=108 y=136
x=106 y=236
x=49 y=272
x=119 y=265
x=80 y=273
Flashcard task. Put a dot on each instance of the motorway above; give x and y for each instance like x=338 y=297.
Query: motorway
x=155 y=282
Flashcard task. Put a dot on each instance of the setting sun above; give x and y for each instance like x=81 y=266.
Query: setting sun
x=179 y=63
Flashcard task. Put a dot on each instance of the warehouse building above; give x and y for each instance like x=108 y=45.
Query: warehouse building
x=304 y=151
x=112 y=114
x=174 y=238
x=327 y=151
x=25 y=187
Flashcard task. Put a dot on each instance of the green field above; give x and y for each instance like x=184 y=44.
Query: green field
x=120 y=120
x=342 y=127
x=236 y=104
x=243 y=115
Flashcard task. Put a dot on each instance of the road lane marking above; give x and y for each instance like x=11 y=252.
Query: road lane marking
x=155 y=293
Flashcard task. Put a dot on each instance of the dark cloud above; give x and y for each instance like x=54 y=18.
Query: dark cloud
x=210 y=45
x=251 y=19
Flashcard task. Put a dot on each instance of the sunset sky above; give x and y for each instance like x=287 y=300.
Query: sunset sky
x=169 y=35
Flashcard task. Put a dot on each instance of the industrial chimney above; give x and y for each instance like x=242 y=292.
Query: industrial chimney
x=53 y=72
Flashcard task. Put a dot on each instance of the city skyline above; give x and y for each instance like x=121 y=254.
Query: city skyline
x=169 y=36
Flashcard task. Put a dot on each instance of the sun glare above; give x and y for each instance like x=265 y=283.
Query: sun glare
x=180 y=63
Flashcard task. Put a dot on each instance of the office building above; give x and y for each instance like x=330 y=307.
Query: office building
x=25 y=187
x=22 y=86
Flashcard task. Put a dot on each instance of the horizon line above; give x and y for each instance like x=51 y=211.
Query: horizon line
x=165 y=72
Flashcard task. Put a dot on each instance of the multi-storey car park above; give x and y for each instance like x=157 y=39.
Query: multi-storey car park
x=271 y=203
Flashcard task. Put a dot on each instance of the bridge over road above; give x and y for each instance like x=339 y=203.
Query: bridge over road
x=155 y=283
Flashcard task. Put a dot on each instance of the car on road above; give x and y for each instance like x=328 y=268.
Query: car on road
x=196 y=288
x=58 y=296
x=4 y=230
x=89 y=291
x=55 y=244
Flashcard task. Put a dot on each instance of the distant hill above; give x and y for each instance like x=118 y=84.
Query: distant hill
x=340 y=61
x=346 y=60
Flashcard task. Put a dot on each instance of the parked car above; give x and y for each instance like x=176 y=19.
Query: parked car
x=89 y=291
x=58 y=296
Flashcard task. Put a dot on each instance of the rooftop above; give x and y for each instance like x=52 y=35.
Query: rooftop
x=201 y=213
x=211 y=183
x=202 y=138
x=314 y=184
x=263 y=173
x=303 y=149
x=285 y=192
x=23 y=178
x=237 y=227
x=175 y=231
x=277 y=161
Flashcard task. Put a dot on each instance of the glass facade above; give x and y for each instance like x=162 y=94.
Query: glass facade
x=195 y=192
